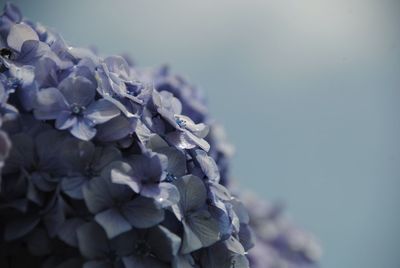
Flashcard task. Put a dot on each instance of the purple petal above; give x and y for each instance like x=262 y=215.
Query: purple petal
x=83 y=130
x=19 y=33
x=92 y=241
x=78 y=90
x=122 y=173
x=116 y=129
x=142 y=212
x=166 y=194
x=72 y=186
x=113 y=222
x=49 y=104
x=65 y=120
x=117 y=64
x=101 y=111
x=208 y=165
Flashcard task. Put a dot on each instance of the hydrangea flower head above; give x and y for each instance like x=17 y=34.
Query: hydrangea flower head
x=104 y=164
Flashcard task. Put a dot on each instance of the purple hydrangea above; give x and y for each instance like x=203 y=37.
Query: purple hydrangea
x=278 y=242
x=107 y=165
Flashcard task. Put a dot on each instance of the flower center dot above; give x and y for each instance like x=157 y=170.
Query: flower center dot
x=180 y=122
x=170 y=177
x=76 y=109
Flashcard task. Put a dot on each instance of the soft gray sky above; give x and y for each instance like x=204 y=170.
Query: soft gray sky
x=307 y=89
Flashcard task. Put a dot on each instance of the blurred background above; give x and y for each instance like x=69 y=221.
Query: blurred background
x=308 y=91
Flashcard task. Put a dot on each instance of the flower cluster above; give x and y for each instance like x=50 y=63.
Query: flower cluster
x=278 y=243
x=104 y=164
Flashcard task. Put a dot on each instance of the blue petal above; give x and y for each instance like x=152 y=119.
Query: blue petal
x=97 y=195
x=77 y=155
x=193 y=139
x=154 y=141
x=176 y=160
x=104 y=156
x=142 y=212
x=23 y=74
x=208 y=165
x=68 y=231
x=83 y=129
x=19 y=33
x=164 y=243
x=12 y=12
x=32 y=51
x=116 y=129
x=49 y=104
x=117 y=64
x=240 y=211
x=101 y=111
x=48 y=155
x=72 y=186
x=192 y=192
x=54 y=218
x=122 y=173
x=92 y=241
x=233 y=245
x=246 y=236
x=220 y=191
x=190 y=241
x=65 y=120
x=78 y=90
x=164 y=193
x=205 y=227
x=113 y=222
x=179 y=140
x=120 y=106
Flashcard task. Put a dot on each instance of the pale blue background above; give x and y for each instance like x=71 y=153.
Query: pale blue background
x=307 y=89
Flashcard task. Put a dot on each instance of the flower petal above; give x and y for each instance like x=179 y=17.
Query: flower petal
x=190 y=241
x=78 y=90
x=113 y=222
x=83 y=129
x=96 y=194
x=116 y=129
x=72 y=186
x=65 y=120
x=166 y=194
x=176 y=160
x=142 y=212
x=68 y=231
x=122 y=173
x=49 y=103
x=19 y=33
x=164 y=243
x=92 y=240
x=208 y=165
x=101 y=111
x=192 y=192
x=205 y=227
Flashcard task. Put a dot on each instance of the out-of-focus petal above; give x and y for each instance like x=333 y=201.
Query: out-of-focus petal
x=19 y=33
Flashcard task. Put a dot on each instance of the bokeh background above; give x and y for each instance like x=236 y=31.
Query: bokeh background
x=308 y=91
